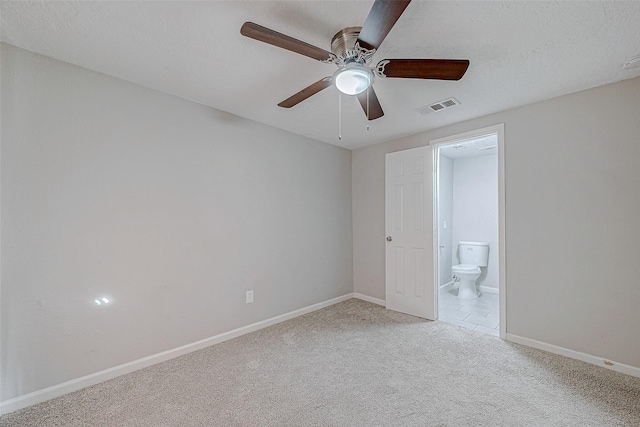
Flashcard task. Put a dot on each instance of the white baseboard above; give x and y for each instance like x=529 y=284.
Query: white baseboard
x=48 y=393
x=370 y=299
x=489 y=289
x=447 y=285
x=594 y=360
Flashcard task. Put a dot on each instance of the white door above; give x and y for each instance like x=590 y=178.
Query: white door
x=409 y=229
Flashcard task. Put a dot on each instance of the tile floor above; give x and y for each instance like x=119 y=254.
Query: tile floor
x=481 y=314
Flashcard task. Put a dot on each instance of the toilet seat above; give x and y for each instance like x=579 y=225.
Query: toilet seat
x=466 y=268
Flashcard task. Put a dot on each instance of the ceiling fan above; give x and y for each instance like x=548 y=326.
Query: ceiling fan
x=352 y=51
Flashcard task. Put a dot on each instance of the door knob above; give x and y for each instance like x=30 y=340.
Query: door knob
x=389 y=238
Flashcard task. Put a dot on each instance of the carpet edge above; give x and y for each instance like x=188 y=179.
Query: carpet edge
x=573 y=354
x=370 y=299
x=48 y=393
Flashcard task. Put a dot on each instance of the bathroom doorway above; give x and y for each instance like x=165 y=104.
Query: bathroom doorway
x=468 y=201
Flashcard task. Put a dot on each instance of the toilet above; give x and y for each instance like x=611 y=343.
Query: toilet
x=473 y=255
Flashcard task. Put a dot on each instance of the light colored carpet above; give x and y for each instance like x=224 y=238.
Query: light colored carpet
x=354 y=364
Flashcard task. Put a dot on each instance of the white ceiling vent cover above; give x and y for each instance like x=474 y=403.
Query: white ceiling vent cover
x=438 y=106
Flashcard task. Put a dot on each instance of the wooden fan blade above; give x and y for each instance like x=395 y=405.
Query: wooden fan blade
x=263 y=34
x=383 y=15
x=439 y=69
x=371 y=106
x=306 y=93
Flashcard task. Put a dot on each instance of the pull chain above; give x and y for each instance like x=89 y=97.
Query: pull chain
x=367 y=109
x=339 y=115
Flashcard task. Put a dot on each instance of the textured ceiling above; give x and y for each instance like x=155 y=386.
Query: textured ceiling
x=483 y=146
x=520 y=52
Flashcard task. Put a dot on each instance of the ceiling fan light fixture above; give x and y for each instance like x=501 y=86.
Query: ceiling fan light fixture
x=353 y=79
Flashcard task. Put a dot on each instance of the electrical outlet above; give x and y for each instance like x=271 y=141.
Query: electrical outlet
x=249 y=298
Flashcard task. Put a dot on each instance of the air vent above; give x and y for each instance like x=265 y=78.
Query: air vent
x=438 y=106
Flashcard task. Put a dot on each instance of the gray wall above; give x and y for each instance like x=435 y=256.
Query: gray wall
x=170 y=208
x=572 y=207
x=475 y=210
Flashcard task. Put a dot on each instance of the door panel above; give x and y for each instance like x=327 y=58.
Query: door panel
x=409 y=247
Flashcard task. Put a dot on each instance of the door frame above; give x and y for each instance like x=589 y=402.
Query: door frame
x=497 y=130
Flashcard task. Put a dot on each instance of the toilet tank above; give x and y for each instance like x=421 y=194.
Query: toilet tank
x=474 y=253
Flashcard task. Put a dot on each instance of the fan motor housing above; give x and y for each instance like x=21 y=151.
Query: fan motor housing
x=343 y=46
x=345 y=40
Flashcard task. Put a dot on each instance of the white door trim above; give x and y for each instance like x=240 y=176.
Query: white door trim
x=502 y=270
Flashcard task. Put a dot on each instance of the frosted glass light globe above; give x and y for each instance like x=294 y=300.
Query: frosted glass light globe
x=353 y=79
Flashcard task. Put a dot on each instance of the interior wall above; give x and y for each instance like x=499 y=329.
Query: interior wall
x=169 y=208
x=475 y=210
x=571 y=170
x=445 y=216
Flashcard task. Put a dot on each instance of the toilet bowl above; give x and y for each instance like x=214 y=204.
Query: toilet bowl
x=466 y=275
x=473 y=255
